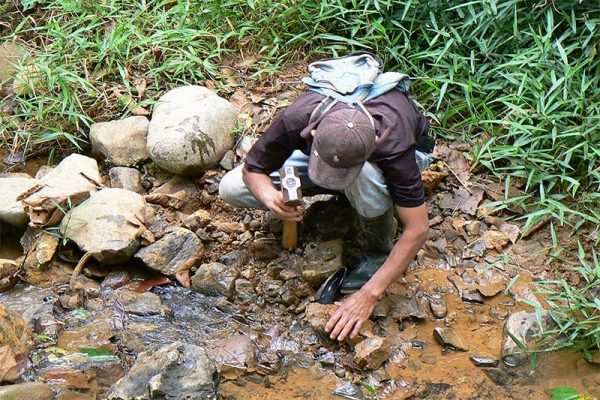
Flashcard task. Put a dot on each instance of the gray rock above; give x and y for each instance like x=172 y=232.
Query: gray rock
x=227 y=161
x=105 y=225
x=483 y=361
x=235 y=351
x=28 y=390
x=171 y=251
x=116 y=279
x=438 y=307
x=69 y=177
x=176 y=371
x=11 y=209
x=244 y=291
x=191 y=130
x=43 y=170
x=126 y=178
x=524 y=327
x=448 y=338
x=472 y=296
x=122 y=142
x=215 y=279
x=146 y=303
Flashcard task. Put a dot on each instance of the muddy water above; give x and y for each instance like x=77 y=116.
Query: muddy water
x=421 y=363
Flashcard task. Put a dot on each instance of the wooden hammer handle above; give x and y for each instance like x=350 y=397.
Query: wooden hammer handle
x=289 y=239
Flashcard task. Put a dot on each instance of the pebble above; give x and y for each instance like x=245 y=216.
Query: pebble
x=483 y=361
x=448 y=338
x=438 y=307
x=428 y=359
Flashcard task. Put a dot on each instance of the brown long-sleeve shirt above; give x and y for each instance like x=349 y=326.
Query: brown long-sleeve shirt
x=398 y=124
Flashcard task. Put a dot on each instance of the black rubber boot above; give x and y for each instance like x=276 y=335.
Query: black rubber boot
x=365 y=269
x=379 y=232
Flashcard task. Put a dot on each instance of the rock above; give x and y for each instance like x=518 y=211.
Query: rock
x=236 y=258
x=483 y=361
x=169 y=253
x=473 y=228
x=510 y=230
x=322 y=260
x=178 y=183
x=199 y=219
x=215 y=279
x=176 y=371
x=430 y=359
x=28 y=390
x=228 y=227
x=96 y=333
x=332 y=219
x=10 y=55
x=142 y=304
x=126 y=178
x=11 y=208
x=448 y=338
x=122 y=142
x=474 y=249
x=349 y=391
x=326 y=358
x=438 y=307
x=499 y=376
x=530 y=255
x=15 y=343
x=45 y=248
x=472 y=296
x=116 y=279
x=371 y=353
x=431 y=179
x=89 y=287
x=465 y=200
x=228 y=160
x=69 y=177
x=317 y=316
x=244 y=291
x=399 y=307
x=237 y=352
x=524 y=327
x=191 y=130
x=495 y=240
x=105 y=225
x=43 y=170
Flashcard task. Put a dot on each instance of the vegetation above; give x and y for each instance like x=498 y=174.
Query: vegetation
x=517 y=78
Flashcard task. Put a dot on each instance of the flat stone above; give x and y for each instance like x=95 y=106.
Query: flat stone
x=448 y=338
x=15 y=342
x=121 y=142
x=126 y=178
x=426 y=358
x=318 y=315
x=371 y=353
x=28 y=390
x=106 y=225
x=170 y=252
x=142 y=304
x=69 y=177
x=483 y=361
x=215 y=279
x=495 y=240
x=11 y=209
x=116 y=279
x=399 y=307
x=472 y=296
x=176 y=371
x=238 y=351
x=96 y=333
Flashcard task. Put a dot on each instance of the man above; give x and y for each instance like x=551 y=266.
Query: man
x=368 y=151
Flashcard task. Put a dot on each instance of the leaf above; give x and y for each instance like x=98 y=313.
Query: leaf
x=81 y=314
x=563 y=393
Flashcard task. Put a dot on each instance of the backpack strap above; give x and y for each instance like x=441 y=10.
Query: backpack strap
x=322 y=108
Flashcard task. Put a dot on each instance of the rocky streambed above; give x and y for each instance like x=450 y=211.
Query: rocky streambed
x=123 y=280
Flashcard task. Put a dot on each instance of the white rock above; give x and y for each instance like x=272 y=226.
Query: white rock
x=11 y=210
x=191 y=130
x=66 y=178
x=105 y=225
x=122 y=142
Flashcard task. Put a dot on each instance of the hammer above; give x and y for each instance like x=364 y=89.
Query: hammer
x=292 y=196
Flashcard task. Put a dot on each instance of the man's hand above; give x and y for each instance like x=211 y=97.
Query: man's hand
x=261 y=186
x=351 y=315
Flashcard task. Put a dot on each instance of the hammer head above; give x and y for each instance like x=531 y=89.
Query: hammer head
x=290 y=186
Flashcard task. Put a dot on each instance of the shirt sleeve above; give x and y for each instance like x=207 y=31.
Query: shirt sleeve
x=403 y=178
x=283 y=136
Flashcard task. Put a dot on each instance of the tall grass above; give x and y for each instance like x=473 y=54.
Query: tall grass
x=517 y=78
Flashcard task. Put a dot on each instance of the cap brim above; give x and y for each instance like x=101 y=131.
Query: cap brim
x=324 y=175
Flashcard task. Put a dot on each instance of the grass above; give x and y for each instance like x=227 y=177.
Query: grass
x=517 y=78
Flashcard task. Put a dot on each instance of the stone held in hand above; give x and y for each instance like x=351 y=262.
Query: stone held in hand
x=191 y=130
x=122 y=142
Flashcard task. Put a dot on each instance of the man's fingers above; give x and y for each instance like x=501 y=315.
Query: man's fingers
x=356 y=329
x=334 y=319
x=338 y=327
x=346 y=330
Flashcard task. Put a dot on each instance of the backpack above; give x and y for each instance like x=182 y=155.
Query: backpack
x=355 y=79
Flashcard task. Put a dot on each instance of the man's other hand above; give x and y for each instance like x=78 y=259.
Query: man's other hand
x=351 y=315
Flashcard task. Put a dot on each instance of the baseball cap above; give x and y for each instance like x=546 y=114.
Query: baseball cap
x=343 y=141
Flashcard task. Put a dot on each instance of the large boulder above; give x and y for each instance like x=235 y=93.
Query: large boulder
x=171 y=251
x=191 y=130
x=11 y=209
x=74 y=174
x=105 y=225
x=176 y=371
x=122 y=142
